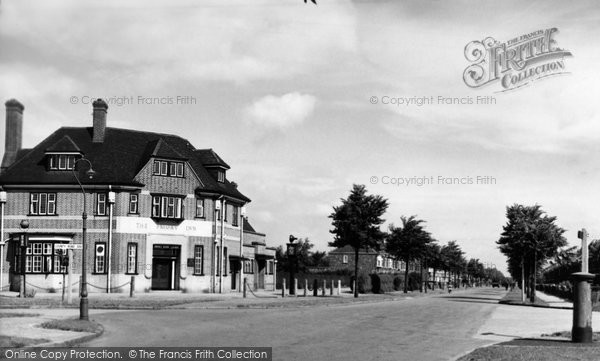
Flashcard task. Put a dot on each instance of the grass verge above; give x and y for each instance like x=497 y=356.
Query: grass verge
x=8 y=341
x=537 y=350
x=18 y=314
x=514 y=298
x=73 y=324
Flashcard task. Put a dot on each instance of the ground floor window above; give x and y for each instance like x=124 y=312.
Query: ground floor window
x=40 y=257
x=132 y=258
x=198 y=260
x=270 y=267
x=100 y=258
x=249 y=266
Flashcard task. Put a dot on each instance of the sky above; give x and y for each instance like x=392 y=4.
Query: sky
x=301 y=101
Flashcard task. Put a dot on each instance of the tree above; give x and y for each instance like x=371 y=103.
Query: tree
x=356 y=222
x=433 y=257
x=408 y=242
x=454 y=261
x=305 y=257
x=528 y=239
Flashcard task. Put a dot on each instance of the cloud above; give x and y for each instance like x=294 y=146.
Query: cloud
x=281 y=112
x=158 y=42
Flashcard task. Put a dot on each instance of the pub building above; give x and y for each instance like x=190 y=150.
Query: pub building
x=157 y=208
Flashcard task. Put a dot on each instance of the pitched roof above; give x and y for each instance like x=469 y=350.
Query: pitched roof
x=65 y=144
x=210 y=158
x=350 y=249
x=116 y=161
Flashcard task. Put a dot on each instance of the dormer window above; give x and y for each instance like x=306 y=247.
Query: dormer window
x=61 y=161
x=168 y=168
x=221 y=176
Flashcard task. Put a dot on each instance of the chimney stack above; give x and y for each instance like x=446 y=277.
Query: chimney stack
x=14 y=132
x=99 y=118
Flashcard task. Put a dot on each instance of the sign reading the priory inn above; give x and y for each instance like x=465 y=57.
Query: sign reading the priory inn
x=516 y=62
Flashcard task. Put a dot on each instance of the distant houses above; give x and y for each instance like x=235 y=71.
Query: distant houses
x=370 y=261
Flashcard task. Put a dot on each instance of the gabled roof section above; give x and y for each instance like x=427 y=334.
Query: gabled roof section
x=211 y=159
x=247 y=226
x=350 y=249
x=65 y=144
x=162 y=149
x=116 y=161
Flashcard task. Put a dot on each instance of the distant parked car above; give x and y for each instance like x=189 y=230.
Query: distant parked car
x=495 y=284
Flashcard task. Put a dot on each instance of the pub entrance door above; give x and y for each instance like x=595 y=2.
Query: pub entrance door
x=166 y=260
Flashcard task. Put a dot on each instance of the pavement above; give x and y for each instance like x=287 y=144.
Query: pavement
x=506 y=322
x=553 y=301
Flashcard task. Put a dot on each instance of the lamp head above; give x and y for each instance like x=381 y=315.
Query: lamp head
x=90 y=173
x=292 y=238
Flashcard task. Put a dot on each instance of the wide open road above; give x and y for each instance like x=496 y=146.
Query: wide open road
x=426 y=328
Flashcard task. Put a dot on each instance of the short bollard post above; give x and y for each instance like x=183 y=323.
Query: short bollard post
x=295 y=286
x=582 y=307
x=339 y=287
x=244 y=288
x=324 y=287
x=315 y=287
x=331 y=289
x=132 y=287
x=283 y=288
x=305 y=287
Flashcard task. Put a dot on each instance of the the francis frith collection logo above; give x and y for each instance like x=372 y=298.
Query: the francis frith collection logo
x=516 y=62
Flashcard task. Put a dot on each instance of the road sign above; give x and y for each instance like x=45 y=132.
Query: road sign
x=65 y=246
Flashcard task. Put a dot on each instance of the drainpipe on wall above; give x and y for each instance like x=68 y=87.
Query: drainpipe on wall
x=111 y=202
x=242 y=212
x=3 y=197
x=221 y=268
x=214 y=246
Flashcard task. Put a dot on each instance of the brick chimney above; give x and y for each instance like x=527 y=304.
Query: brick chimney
x=14 y=132
x=99 y=118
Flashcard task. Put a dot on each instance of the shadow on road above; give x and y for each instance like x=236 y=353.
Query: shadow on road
x=496 y=299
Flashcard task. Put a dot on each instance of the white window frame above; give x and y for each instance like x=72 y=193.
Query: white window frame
x=199 y=207
x=101 y=199
x=132 y=258
x=100 y=261
x=133 y=203
x=199 y=260
x=42 y=204
x=170 y=207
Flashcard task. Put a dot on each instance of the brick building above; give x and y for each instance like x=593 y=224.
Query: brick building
x=158 y=209
x=369 y=261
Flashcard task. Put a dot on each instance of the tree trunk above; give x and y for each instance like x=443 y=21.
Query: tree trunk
x=421 y=278
x=406 y=276
x=433 y=277
x=522 y=279
x=355 y=273
x=533 y=278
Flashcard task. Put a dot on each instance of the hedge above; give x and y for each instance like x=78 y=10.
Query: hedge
x=382 y=283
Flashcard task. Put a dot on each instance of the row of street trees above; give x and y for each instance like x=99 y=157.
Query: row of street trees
x=357 y=223
x=529 y=238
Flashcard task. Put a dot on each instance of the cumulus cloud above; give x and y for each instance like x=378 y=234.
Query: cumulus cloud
x=281 y=112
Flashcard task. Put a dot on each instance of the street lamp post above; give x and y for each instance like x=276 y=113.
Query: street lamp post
x=292 y=258
x=83 y=300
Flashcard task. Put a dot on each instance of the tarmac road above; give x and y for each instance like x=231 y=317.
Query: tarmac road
x=425 y=328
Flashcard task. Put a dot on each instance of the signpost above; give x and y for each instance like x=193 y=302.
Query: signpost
x=68 y=249
x=66 y=246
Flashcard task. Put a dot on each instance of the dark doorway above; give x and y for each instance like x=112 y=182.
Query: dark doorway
x=261 y=265
x=234 y=267
x=165 y=266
